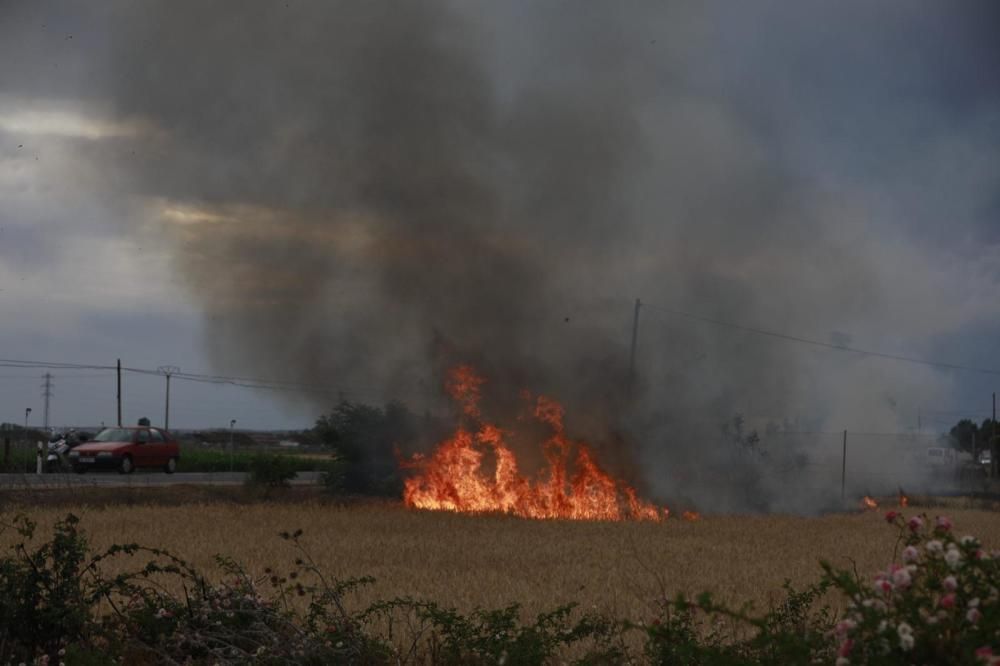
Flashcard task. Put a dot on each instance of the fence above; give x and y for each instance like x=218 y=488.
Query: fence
x=872 y=463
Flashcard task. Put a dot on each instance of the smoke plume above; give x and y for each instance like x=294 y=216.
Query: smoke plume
x=362 y=193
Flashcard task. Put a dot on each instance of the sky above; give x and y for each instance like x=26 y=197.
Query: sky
x=344 y=194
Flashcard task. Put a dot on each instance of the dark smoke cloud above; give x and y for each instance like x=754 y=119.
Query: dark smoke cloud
x=382 y=121
x=362 y=193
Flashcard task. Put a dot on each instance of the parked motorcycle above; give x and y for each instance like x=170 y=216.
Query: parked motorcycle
x=59 y=448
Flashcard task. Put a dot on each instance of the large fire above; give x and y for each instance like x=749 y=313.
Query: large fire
x=475 y=471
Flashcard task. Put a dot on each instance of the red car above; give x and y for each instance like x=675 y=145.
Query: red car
x=125 y=449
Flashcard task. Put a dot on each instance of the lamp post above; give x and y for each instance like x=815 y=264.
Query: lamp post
x=232 y=424
x=27 y=413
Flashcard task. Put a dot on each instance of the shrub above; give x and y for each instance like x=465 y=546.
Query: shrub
x=332 y=478
x=691 y=633
x=43 y=603
x=271 y=471
x=938 y=605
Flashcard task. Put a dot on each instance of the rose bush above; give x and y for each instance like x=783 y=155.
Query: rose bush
x=938 y=605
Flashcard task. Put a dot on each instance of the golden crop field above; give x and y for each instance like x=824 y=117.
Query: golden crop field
x=491 y=561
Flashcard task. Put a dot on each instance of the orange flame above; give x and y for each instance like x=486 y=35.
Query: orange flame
x=457 y=476
x=869 y=503
x=904 y=501
x=691 y=516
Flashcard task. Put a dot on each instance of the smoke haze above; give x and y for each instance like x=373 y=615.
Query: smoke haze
x=360 y=194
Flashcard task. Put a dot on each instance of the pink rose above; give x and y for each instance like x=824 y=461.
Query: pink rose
x=845 y=648
x=910 y=554
x=915 y=523
x=942 y=523
x=947 y=601
x=844 y=626
x=973 y=615
x=890 y=516
x=901 y=577
x=950 y=583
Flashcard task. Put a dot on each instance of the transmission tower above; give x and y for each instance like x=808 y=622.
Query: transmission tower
x=167 y=371
x=47 y=395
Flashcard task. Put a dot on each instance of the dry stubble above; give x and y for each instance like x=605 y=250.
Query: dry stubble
x=492 y=561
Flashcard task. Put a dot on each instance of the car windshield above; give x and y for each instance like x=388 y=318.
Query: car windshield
x=113 y=435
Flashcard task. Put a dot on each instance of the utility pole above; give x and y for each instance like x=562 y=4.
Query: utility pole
x=635 y=340
x=168 y=370
x=843 y=469
x=119 y=393
x=994 y=449
x=6 y=428
x=232 y=424
x=47 y=394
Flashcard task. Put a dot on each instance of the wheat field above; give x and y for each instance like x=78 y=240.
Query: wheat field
x=492 y=561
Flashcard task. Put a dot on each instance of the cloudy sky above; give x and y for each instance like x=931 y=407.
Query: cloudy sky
x=327 y=194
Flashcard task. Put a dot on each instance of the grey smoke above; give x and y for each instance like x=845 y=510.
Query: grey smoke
x=389 y=188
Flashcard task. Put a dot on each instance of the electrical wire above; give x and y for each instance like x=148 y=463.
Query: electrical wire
x=817 y=343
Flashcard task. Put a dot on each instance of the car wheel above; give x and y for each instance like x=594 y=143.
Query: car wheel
x=171 y=466
x=126 y=466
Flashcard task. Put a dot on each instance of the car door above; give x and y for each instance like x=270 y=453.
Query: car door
x=143 y=452
x=171 y=449
x=158 y=447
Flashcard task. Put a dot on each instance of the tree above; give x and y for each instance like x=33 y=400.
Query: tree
x=369 y=440
x=964 y=434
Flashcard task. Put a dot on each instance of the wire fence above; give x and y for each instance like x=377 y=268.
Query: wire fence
x=874 y=463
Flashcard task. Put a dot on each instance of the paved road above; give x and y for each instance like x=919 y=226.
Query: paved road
x=139 y=478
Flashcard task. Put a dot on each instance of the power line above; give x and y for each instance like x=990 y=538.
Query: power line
x=966 y=412
x=19 y=376
x=827 y=345
x=205 y=378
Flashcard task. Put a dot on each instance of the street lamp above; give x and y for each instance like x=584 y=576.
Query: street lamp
x=27 y=413
x=232 y=424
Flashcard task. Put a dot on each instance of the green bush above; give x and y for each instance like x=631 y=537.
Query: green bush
x=272 y=471
x=332 y=479
x=43 y=601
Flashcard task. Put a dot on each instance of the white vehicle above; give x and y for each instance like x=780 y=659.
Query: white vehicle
x=984 y=457
x=941 y=457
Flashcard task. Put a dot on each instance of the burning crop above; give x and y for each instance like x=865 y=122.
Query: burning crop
x=476 y=471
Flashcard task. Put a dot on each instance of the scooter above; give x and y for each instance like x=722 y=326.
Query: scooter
x=58 y=458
